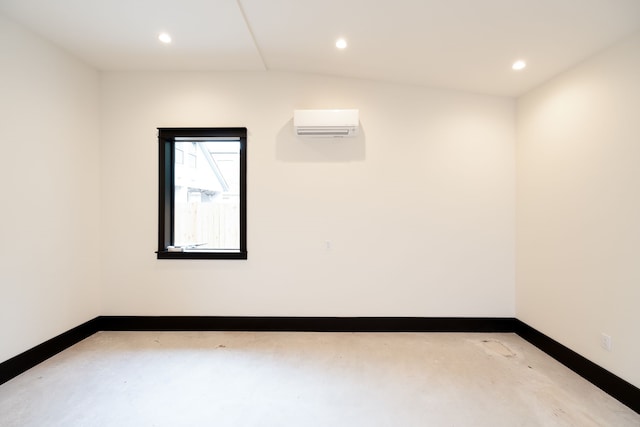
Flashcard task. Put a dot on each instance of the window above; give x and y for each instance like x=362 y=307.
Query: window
x=202 y=198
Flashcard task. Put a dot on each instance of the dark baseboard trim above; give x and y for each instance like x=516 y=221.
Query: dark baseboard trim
x=307 y=324
x=610 y=383
x=24 y=361
x=613 y=385
x=13 y=367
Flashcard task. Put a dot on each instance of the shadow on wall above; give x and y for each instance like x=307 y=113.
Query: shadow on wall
x=293 y=148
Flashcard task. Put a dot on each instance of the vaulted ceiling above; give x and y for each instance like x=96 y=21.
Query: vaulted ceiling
x=460 y=44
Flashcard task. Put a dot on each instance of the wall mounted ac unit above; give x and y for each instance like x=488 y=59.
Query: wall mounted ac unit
x=326 y=123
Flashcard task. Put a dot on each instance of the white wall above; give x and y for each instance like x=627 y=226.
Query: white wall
x=578 y=208
x=49 y=255
x=419 y=210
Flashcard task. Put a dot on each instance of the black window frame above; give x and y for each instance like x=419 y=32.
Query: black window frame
x=166 y=184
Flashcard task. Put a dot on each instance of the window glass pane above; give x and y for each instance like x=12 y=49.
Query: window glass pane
x=207 y=194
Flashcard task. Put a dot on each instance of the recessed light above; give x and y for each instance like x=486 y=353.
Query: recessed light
x=519 y=65
x=164 y=38
x=341 y=44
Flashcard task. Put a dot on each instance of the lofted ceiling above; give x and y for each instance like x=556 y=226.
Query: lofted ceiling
x=459 y=44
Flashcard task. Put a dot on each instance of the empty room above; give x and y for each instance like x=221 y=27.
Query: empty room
x=320 y=213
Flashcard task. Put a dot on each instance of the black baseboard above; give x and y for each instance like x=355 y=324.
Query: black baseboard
x=613 y=385
x=307 y=324
x=24 y=361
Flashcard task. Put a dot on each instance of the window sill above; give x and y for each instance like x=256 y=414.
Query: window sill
x=196 y=254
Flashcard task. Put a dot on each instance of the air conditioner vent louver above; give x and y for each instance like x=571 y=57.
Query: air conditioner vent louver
x=326 y=123
x=323 y=131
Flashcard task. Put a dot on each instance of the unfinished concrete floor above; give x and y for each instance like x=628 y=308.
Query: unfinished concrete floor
x=305 y=379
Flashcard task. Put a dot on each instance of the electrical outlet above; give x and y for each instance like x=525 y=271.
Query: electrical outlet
x=605 y=341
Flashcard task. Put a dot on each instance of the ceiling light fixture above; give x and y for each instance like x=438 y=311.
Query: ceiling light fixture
x=341 y=44
x=519 y=65
x=164 y=38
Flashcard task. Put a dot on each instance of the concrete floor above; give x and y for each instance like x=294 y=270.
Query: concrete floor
x=305 y=379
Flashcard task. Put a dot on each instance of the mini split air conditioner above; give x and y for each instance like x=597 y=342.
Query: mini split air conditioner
x=325 y=123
